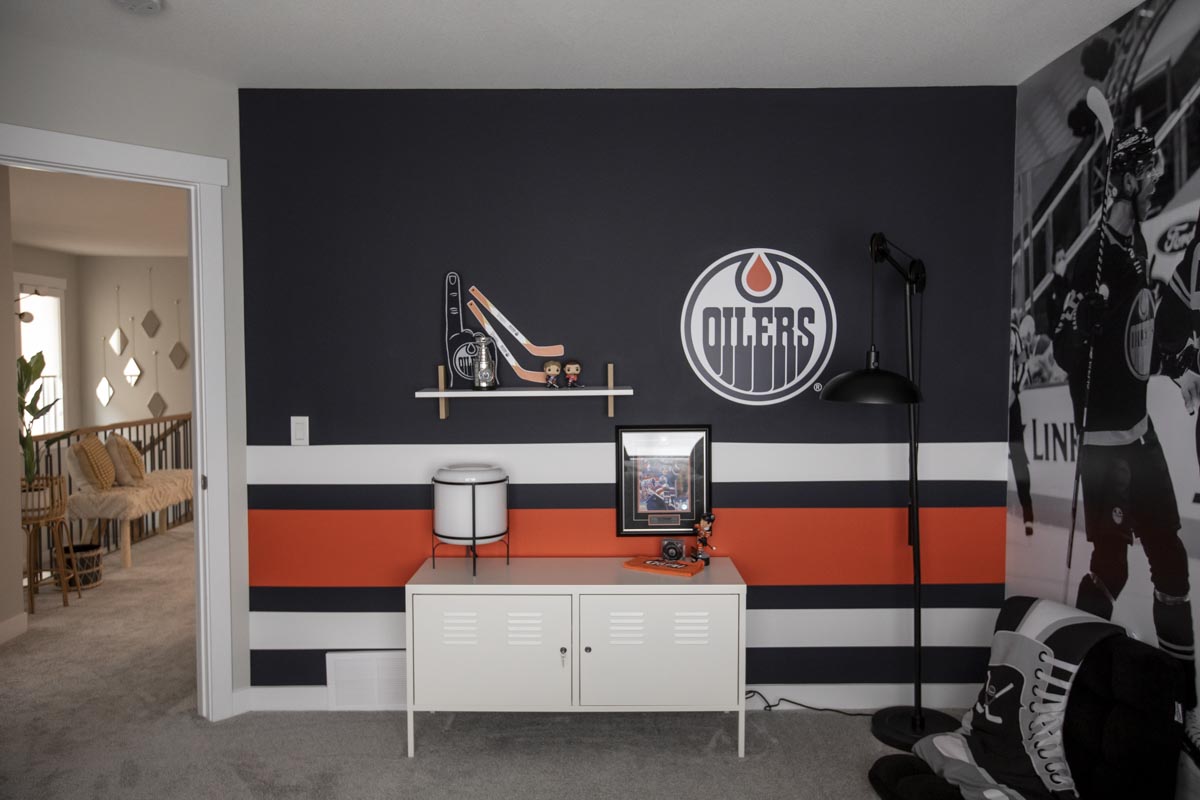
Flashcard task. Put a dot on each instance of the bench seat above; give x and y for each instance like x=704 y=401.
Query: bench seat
x=162 y=488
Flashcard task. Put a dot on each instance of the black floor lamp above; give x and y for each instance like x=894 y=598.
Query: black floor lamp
x=898 y=726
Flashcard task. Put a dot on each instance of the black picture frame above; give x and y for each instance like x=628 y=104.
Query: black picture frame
x=663 y=485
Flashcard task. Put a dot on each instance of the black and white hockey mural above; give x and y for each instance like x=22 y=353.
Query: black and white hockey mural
x=1104 y=332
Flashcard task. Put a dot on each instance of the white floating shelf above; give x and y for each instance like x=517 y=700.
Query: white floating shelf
x=527 y=391
x=443 y=395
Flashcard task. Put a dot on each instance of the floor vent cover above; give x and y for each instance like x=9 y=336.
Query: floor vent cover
x=372 y=680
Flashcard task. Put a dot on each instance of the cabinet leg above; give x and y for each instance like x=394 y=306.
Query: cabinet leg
x=410 y=733
x=742 y=731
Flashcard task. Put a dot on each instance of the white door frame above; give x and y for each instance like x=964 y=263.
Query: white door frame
x=203 y=177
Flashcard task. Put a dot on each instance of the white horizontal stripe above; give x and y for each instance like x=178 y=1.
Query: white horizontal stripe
x=592 y=462
x=837 y=627
x=865 y=696
x=868 y=627
x=319 y=630
x=939 y=461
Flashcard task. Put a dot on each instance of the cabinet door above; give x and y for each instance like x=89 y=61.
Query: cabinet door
x=497 y=652
x=658 y=650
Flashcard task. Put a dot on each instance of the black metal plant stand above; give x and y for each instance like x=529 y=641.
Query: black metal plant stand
x=471 y=542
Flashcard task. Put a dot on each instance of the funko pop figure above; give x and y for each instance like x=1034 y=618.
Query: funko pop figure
x=703 y=533
x=572 y=368
x=552 y=369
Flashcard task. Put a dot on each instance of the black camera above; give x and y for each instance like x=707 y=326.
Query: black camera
x=672 y=549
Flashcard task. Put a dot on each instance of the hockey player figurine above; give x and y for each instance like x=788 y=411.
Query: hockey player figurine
x=1105 y=340
x=552 y=369
x=571 y=368
x=703 y=530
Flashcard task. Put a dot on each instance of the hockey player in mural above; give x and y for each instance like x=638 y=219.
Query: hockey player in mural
x=1105 y=341
x=1177 y=330
x=1020 y=340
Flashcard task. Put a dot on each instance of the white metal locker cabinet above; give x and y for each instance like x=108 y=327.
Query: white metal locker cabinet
x=492 y=652
x=658 y=650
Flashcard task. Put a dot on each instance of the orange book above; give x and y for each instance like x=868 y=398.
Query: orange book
x=657 y=565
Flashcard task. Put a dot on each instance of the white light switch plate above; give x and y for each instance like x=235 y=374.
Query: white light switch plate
x=299 y=430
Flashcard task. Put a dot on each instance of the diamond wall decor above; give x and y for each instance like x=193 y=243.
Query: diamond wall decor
x=150 y=323
x=133 y=372
x=104 y=391
x=157 y=405
x=178 y=355
x=117 y=340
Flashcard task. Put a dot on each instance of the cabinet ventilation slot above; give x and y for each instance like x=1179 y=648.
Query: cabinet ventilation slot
x=460 y=627
x=626 y=627
x=525 y=628
x=691 y=627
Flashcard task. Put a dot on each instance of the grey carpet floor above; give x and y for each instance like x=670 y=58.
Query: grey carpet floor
x=98 y=701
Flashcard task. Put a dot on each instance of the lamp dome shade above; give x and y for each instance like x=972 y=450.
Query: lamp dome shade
x=871 y=385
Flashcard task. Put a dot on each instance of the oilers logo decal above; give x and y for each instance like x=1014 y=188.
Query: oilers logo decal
x=1139 y=334
x=758 y=326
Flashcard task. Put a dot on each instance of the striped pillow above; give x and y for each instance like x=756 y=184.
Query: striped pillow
x=127 y=461
x=97 y=467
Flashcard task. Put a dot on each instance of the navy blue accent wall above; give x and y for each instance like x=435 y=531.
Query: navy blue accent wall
x=586 y=216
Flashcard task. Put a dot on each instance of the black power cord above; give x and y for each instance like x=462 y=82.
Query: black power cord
x=769 y=706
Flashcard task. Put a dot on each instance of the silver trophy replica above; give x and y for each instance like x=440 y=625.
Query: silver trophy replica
x=484 y=366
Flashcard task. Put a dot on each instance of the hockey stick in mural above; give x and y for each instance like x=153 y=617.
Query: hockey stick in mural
x=522 y=373
x=1098 y=105
x=546 y=351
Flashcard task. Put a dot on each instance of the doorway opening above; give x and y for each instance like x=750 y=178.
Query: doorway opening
x=201 y=179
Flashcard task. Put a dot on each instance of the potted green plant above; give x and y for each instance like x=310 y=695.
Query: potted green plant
x=29 y=373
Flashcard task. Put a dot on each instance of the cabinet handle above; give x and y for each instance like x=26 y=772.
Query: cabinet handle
x=587 y=649
x=562 y=650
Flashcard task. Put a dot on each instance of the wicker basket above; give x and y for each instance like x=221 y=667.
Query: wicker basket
x=88 y=565
x=43 y=500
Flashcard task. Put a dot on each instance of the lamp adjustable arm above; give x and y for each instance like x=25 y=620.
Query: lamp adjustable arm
x=913 y=274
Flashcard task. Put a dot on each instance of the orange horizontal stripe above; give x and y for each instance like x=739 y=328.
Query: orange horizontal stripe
x=770 y=546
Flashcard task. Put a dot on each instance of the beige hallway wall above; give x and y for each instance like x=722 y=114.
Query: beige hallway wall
x=12 y=539
x=109 y=96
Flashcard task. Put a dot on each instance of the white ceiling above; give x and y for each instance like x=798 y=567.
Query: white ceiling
x=96 y=216
x=517 y=44
x=580 y=43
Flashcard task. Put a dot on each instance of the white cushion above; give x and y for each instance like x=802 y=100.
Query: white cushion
x=120 y=451
x=78 y=480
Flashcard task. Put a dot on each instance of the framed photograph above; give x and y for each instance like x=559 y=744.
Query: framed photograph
x=662 y=479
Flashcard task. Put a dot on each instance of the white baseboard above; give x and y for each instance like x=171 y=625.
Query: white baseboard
x=864 y=696
x=13 y=627
x=281 y=698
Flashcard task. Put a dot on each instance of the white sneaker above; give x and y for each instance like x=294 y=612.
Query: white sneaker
x=1191 y=735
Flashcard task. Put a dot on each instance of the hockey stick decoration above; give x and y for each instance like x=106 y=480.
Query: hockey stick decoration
x=522 y=373
x=1098 y=105
x=546 y=351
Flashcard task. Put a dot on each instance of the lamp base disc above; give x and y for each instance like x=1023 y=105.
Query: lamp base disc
x=896 y=726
